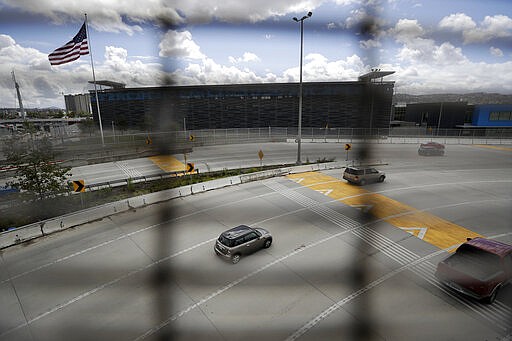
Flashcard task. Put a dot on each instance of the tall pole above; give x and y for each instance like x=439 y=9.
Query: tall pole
x=94 y=81
x=439 y=119
x=16 y=85
x=299 y=133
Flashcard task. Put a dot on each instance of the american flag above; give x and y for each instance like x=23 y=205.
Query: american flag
x=73 y=49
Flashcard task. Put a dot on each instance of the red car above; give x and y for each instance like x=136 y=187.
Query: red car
x=479 y=268
x=431 y=148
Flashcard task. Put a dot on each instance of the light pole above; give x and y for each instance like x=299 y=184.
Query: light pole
x=299 y=135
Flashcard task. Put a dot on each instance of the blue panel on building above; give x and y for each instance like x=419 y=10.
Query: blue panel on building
x=493 y=115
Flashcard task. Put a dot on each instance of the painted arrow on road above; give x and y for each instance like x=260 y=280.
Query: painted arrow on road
x=416 y=231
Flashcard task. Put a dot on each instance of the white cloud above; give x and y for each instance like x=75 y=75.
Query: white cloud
x=457 y=22
x=179 y=44
x=492 y=27
x=407 y=30
x=240 y=11
x=111 y=16
x=497 y=52
x=316 y=68
x=463 y=77
x=370 y=43
x=246 y=58
x=42 y=85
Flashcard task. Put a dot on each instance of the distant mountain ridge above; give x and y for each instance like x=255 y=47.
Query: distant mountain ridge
x=471 y=98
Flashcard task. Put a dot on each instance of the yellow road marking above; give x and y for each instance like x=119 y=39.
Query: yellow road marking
x=439 y=232
x=169 y=163
x=508 y=149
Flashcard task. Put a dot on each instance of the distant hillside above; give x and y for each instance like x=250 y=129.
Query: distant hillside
x=472 y=98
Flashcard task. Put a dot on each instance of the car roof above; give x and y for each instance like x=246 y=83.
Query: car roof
x=492 y=246
x=432 y=144
x=236 y=232
x=359 y=167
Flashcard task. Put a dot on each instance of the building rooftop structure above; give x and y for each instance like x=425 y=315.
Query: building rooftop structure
x=111 y=84
x=374 y=74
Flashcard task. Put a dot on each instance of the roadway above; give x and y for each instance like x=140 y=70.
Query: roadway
x=211 y=158
x=332 y=272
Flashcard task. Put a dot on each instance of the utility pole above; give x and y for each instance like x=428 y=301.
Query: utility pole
x=16 y=85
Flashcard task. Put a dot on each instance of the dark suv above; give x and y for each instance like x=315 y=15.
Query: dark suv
x=241 y=240
x=363 y=175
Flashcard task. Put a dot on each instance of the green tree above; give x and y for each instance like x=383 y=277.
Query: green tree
x=87 y=126
x=37 y=173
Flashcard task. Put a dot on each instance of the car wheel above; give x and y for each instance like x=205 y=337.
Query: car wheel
x=362 y=182
x=267 y=244
x=235 y=259
x=491 y=298
x=381 y=178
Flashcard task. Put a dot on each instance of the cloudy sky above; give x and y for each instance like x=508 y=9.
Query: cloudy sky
x=434 y=46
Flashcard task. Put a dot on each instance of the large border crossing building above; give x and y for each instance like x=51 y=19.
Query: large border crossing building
x=365 y=103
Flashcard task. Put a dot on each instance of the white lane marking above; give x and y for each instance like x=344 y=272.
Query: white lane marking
x=325 y=192
x=385 y=245
x=403 y=255
x=103 y=286
x=213 y=208
x=308 y=200
x=313 y=322
x=129 y=235
x=421 y=231
x=381 y=245
x=411 y=187
x=127 y=170
x=235 y=282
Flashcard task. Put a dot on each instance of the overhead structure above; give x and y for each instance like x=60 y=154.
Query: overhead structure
x=374 y=74
x=111 y=84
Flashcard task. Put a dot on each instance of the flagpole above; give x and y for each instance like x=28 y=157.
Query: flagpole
x=94 y=80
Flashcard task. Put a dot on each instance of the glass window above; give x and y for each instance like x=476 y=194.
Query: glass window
x=226 y=241
x=494 y=116
x=504 y=116
x=354 y=171
x=250 y=236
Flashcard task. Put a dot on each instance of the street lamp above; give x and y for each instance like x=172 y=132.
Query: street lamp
x=299 y=135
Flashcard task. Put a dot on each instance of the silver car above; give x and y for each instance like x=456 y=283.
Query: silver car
x=363 y=175
x=241 y=240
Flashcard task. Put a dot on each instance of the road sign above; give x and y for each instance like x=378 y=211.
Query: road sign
x=190 y=167
x=79 y=186
x=260 y=154
x=191 y=138
x=348 y=146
